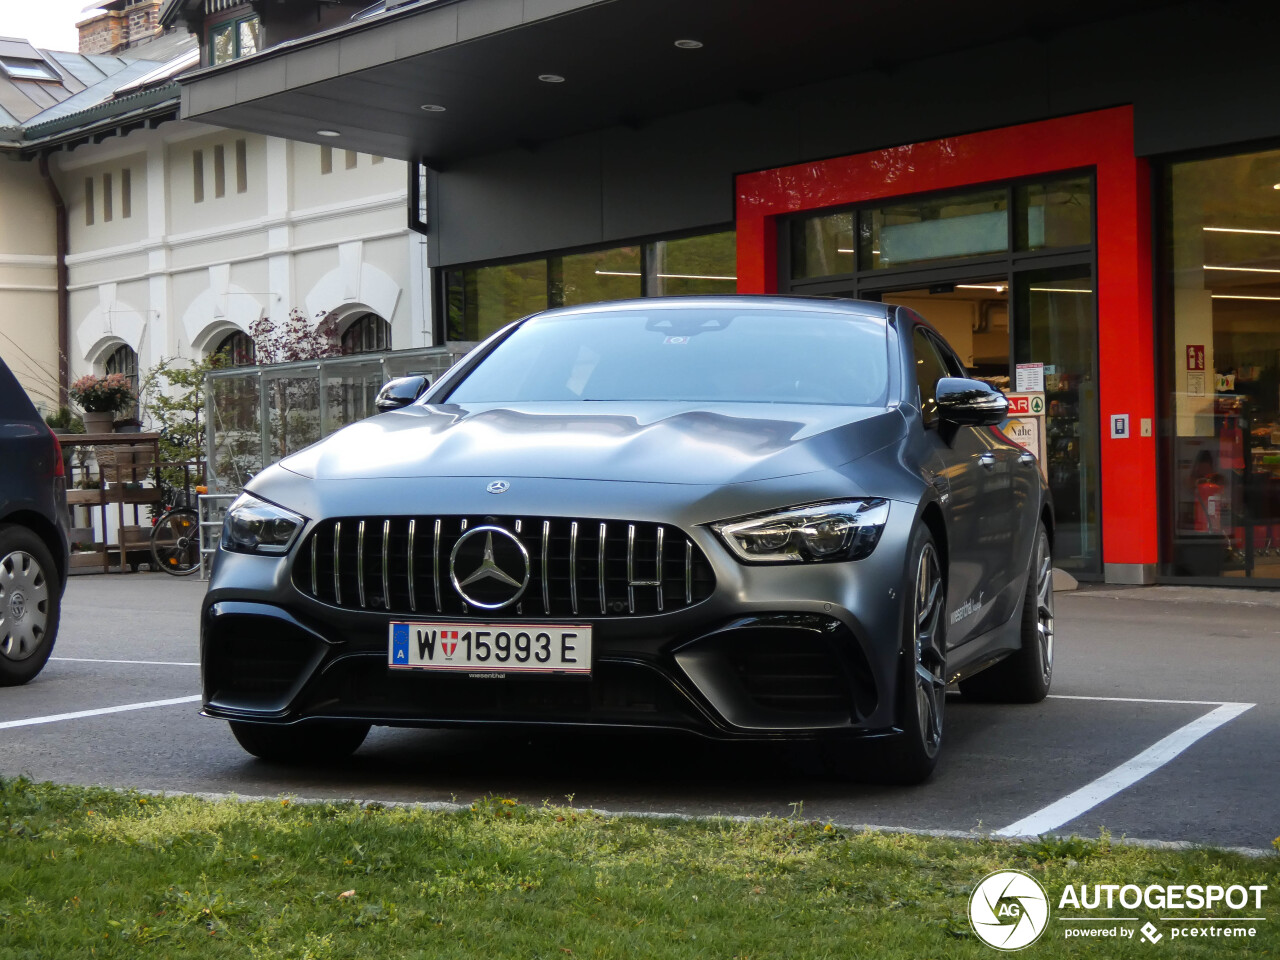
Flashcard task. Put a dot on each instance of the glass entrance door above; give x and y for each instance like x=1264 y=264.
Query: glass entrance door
x=1054 y=323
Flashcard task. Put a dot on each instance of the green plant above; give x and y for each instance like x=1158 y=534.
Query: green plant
x=173 y=400
x=64 y=419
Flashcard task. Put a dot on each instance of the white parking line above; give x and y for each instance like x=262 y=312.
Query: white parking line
x=54 y=718
x=1126 y=775
x=1197 y=703
x=147 y=663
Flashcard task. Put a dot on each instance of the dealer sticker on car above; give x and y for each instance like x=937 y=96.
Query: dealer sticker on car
x=491 y=648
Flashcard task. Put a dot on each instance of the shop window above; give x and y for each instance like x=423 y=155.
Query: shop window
x=932 y=228
x=705 y=264
x=233 y=39
x=1222 y=366
x=1058 y=213
x=480 y=300
x=600 y=275
x=822 y=246
x=368 y=333
x=238 y=349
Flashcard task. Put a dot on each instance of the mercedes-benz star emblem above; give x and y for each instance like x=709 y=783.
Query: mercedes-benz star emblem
x=498 y=486
x=490 y=572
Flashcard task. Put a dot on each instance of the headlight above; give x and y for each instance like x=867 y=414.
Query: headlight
x=255 y=526
x=819 y=532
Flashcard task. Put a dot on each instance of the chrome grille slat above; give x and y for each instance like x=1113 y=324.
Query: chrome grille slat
x=413 y=600
x=386 y=564
x=661 y=531
x=631 y=567
x=604 y=531
x=633 y=564
x=546 y=577
x=360 y=562
x=435 y=566
x=337 y=576
x=573 y=567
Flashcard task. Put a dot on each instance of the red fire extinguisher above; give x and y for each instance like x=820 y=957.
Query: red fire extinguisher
x=1209 y=504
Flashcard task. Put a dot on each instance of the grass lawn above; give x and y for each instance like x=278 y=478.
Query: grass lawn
x=96 y=873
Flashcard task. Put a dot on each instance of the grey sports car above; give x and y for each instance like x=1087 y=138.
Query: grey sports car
x=745 y=517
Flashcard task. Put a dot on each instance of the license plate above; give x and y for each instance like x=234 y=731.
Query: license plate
x=491 y=648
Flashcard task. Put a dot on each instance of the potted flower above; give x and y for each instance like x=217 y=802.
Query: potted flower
x=100 y=398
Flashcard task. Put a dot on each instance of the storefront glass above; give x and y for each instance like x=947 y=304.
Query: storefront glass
x=933 y=228
x=480 y=300
x=1222 y=365
x=822 y=246
x=1057 y=213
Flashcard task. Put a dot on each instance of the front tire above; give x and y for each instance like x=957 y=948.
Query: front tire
x=909 y=757
x=1025 y=676
x=300 y=742
x=30 y=605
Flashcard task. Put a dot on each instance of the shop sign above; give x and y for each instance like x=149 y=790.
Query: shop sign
x=1029 y=378
x=1025 y=423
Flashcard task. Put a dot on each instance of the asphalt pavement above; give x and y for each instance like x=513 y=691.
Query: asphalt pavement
x=1162 y=725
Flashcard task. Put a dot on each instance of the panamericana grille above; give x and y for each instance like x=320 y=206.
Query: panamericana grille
x=577 y=567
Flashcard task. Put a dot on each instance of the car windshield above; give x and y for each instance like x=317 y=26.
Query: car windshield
x=722 y=354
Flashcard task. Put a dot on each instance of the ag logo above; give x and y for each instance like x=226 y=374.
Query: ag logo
x=1009 y=910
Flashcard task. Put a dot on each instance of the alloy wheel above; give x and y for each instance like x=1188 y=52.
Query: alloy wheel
x=24 y=605
x=930 y=680
x=1044 y=603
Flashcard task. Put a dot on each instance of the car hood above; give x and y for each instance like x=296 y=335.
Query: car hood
x=639 y=442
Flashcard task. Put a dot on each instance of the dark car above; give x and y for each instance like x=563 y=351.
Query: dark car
x=33 y=535
x=745 y=517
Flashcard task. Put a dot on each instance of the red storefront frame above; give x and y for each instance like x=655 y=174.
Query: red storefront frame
x=1102 y=140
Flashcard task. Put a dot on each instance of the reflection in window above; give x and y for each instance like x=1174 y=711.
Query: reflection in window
x=822 y=246
x=589 y=277
x=233 y=39
x=934 y=228
x=480 y=300
x=367 y=333
x=705 y=264
x=1055 y=214
x=1223 y=367
x=238 y=348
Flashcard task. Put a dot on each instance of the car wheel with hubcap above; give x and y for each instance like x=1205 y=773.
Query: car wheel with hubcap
x=30 y=600
x=304 y=742
x=1025 y=676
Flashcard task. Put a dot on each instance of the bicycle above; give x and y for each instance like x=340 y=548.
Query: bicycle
x=175 y=538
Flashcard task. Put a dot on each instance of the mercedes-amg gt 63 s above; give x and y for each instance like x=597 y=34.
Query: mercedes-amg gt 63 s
x=743 y=517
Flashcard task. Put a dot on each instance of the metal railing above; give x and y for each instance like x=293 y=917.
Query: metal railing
x=258 y=415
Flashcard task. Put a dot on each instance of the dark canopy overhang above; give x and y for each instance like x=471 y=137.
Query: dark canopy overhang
x=481 y=60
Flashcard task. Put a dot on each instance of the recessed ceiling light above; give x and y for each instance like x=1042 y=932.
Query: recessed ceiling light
x=432 y=108
x=1275 y=186
x=550 y=78
x=328 y=133
x=689 y=44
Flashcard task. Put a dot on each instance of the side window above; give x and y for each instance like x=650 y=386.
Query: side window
x=949 y=359
x=929 y=370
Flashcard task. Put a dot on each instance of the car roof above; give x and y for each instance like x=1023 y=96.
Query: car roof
x=864 y=309
x=14 y=402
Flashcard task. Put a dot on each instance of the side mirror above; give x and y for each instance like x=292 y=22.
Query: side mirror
x=400 y=393
x=970 y=402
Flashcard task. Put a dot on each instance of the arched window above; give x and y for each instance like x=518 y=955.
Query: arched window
x=124 y=360
x=238 y=348
x=367 y=333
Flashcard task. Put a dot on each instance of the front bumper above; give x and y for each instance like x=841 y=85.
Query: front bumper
x=775 y=651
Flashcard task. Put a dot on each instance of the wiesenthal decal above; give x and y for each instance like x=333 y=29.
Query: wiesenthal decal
x=966 y=609
x=1010 y=910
